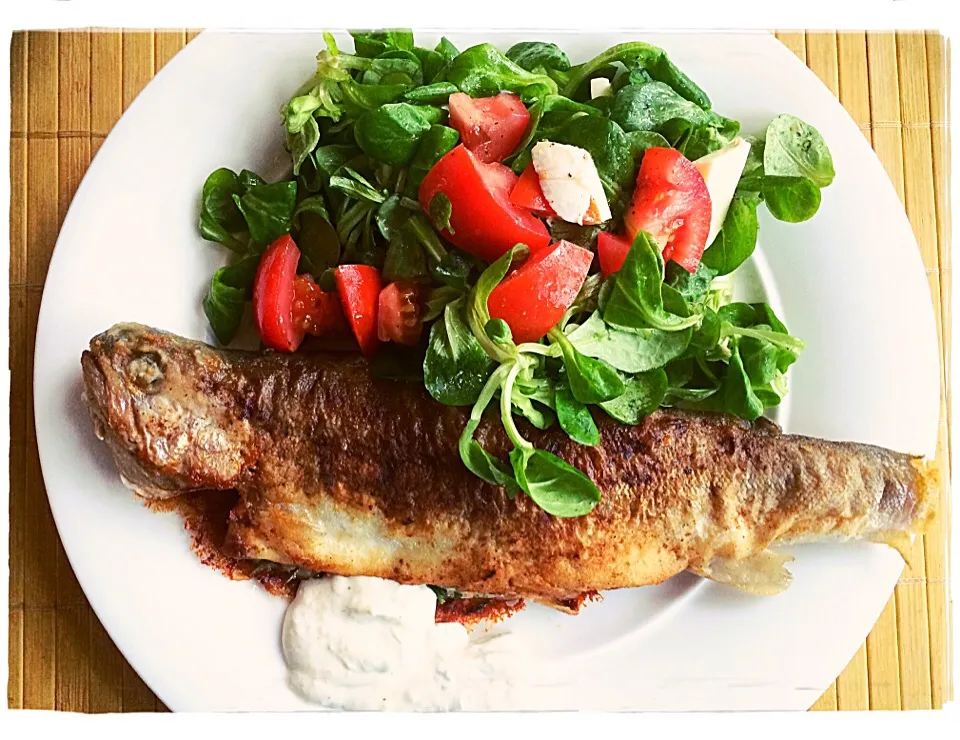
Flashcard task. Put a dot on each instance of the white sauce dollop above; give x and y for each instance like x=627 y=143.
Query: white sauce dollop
x=369 y=643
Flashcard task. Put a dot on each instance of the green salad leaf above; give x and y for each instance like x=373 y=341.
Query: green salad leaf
x=331 y=157
x=663 y=69
x=356 y=186
x=793 y=148
x=643 y=394
x=657 y=107
x=737 y=239
x=789 y=198
x=698 y=140
x=478 y=315
x=631 y=54
x=405 y=258
x=628 y=350
x=359 y=99
x=440 y=212
x=483 y=70
x=591 y=380
x=268 y=210
x=749 y=375
x=302 y=142
x=374 y=43
x=391 y=216
x=436 y=93
x=316 y=236
x=736 y=391
x=446 y=53
x=556 y=486
x=456 y=367
x=575 y=418
x=227 y=296
x=477 y=460
x=220 y=218
x=391 y=133
x=454 y=271
x=538 y=56
x=636 y=298
x=650 y=106
x=693 y=287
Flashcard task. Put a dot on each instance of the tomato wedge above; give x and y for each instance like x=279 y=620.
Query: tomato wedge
x=533 y=298
x=612 y=250
x=359 y=287
x=484 y=221
x=273 y=296
x=491 y=127
x=528 y=194
x=673 y=205
x=399 y=315
x=315 y=312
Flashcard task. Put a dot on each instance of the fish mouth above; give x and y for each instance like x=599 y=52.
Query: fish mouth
x=111 y=392
x=112 y=404
x=95 y=394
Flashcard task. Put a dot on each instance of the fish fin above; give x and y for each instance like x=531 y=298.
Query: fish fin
x=902 y=542
x=560 y=606
x=571 y=605
x=763 y=574
x=928 y=493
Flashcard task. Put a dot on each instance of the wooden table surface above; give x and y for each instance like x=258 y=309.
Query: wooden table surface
x=68 y=89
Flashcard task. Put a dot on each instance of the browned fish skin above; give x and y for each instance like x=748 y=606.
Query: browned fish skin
x=342 y=473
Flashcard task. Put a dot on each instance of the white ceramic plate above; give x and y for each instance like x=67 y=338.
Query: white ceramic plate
x=850 y=282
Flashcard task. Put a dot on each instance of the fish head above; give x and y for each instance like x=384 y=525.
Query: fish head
x=166 y=407
x=130 y=368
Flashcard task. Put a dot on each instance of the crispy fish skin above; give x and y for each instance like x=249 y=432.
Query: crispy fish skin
x=342 y=473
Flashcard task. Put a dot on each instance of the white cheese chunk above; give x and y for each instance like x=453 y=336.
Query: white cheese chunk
x=600 y=86
x=721 y=171
x=571 y=183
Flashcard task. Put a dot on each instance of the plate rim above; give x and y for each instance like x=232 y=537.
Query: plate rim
x=111 y=141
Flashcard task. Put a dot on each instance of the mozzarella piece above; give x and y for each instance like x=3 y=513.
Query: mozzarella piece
x=721 y=171
x=600 y=86
x=570 y=182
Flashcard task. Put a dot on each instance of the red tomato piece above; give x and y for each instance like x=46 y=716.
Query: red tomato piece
x=612 y=250
x=359 y=287
x=533 y=298
x=485 y=223
x=492 y=127
x=528 y=194
x=273 y=296
x=399 y=316
x=673 y=205
x=315 y=312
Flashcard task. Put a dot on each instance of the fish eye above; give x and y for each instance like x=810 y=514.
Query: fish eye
x=145 y=371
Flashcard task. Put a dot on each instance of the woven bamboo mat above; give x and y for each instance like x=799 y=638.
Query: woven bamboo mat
x=68 y=89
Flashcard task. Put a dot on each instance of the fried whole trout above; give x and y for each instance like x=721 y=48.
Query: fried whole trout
x=339 y=472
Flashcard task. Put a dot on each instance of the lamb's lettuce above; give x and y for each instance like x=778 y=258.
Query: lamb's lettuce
x=365 y=130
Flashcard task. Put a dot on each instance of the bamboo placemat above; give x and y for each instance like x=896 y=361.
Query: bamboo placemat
x=68 y=89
